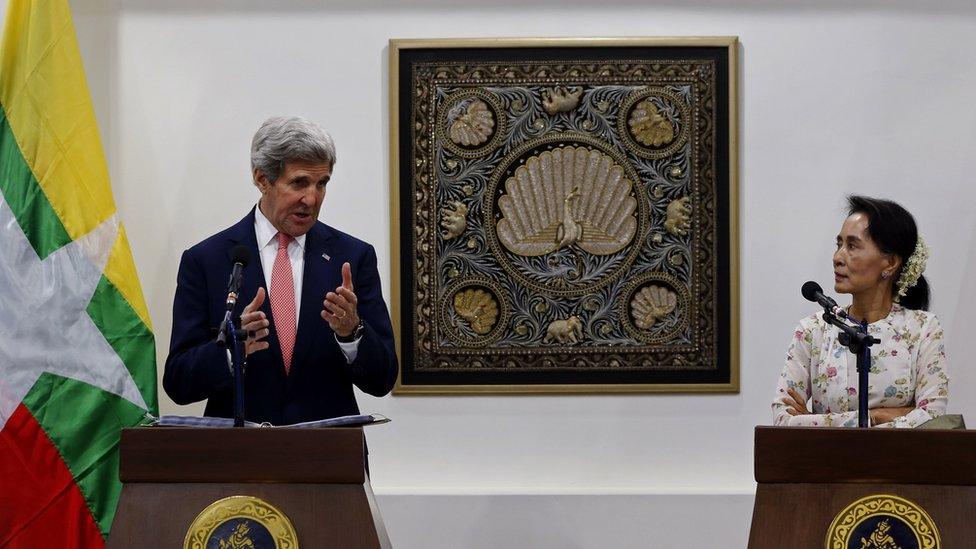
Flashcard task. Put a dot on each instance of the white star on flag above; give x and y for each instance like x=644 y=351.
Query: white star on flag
x=44 y=325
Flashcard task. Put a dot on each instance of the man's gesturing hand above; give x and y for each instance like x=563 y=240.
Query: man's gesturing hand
x=339 y=307
x=256 y=323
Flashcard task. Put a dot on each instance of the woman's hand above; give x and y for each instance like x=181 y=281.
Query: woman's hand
x=797 y=404
x=885 y=415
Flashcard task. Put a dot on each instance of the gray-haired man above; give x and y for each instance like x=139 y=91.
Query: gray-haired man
x=323 y=325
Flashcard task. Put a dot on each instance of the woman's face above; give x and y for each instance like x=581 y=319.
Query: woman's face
x=858 y=263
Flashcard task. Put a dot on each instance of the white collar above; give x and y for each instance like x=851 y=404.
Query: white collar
x=266 y=233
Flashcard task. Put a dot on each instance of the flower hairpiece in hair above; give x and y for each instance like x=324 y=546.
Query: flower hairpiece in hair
x=913 y=269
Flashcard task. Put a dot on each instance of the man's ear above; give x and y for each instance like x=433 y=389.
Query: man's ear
x=261 y=181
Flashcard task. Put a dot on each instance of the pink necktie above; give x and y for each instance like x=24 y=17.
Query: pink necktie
x=283 y=300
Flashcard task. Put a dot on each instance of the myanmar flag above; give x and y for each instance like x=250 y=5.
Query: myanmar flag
x=77 y=357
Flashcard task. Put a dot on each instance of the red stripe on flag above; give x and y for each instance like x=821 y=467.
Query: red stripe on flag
x=40 y=504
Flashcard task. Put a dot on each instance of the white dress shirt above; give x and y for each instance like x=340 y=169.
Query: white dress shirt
x=267 y=238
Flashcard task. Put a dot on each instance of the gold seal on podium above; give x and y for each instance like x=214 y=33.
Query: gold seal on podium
x=883 y=522
x=241 y=522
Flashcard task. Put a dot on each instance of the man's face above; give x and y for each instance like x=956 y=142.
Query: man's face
x=292 y=202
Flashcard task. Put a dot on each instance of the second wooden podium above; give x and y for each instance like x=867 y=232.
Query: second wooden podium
x=864 y=488
x=197 y=487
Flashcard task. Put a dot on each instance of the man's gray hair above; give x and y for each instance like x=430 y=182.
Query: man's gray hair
x=283 y=139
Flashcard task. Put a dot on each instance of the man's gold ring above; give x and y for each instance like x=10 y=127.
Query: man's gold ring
x=343 y=315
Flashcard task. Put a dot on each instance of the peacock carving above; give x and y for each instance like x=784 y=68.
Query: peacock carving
x=565 y=197
x=569 y=231
x=470 y=122
x=478 y=307
x=649 y=126
x=650 y=304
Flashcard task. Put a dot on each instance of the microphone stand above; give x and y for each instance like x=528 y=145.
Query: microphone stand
x=857 y=339
x=222 y=334
x=240 y=256
x=236 y=366
x=234 y=363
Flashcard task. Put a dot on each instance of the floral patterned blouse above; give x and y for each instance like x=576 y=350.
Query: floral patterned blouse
x=908 y=368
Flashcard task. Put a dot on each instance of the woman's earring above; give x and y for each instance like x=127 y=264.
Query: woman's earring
x=884 y=274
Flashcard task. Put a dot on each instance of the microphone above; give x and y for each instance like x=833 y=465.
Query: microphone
x=813 y=292
x=240 y=255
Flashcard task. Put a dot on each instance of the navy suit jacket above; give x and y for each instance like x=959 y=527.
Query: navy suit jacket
x=320 y=382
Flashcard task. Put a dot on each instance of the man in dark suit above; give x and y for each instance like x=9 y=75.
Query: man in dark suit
x=323 y=326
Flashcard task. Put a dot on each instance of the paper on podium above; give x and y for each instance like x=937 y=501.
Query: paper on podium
x=344 y=421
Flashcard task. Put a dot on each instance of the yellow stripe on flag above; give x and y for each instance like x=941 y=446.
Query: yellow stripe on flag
x=121 y=272
x=45 y=96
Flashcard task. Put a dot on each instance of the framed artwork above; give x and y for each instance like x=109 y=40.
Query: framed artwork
x=565 y=215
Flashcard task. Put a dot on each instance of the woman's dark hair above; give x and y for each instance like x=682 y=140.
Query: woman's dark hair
x=894 y=231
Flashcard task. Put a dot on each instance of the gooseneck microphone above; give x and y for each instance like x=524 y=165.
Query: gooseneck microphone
x=813 y=292
x=239 y=255
x=855 y=337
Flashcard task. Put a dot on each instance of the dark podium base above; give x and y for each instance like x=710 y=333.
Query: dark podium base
x=807 y=475
x=313 y=476
x=799 y=515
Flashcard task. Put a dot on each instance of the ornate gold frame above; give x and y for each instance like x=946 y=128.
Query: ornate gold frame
x=729 y=42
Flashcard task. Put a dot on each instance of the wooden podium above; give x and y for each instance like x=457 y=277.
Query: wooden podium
x=315 y=478
x=807 y=476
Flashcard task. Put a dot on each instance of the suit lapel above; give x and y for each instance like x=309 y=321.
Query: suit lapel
x=322 y=274
x=253 y=279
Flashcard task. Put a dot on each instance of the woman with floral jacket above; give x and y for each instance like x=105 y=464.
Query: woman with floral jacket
x=879 y=261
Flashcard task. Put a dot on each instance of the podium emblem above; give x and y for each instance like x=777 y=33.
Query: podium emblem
x=883 y=522
x=241 y=522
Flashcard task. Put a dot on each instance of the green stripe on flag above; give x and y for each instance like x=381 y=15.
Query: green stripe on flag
x=85 y=424
x=128 y=335
x=30 y=205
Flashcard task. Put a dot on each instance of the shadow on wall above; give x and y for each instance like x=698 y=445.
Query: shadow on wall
x=539 y=523
x=959 y=329
x=570 y=521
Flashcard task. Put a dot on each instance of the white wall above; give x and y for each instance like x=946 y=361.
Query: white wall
x=873 y=98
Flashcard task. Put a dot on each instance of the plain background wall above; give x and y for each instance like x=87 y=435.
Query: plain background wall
x=835 y=98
